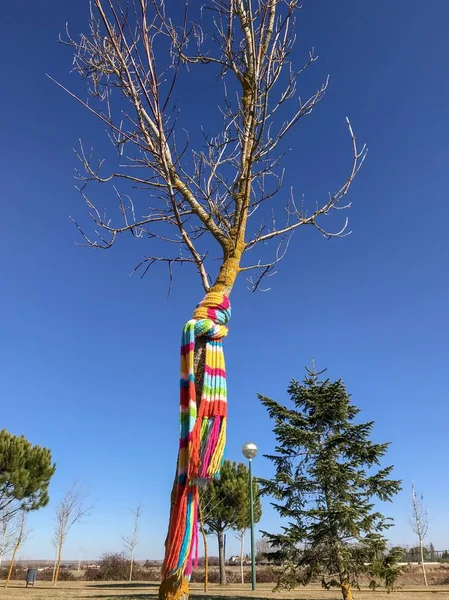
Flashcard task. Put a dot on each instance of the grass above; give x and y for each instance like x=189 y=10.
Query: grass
x=148 y=591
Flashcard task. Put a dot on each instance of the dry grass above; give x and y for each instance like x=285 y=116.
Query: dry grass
x=148 y=591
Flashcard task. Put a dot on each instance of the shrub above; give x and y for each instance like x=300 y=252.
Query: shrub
x=18 y=572
x=262 y=576
x=113 y=567
x=266 y=575
x=152 y=574
x=47 y=575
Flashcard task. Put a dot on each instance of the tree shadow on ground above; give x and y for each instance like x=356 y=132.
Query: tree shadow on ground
x=118 y=596
x=248 y=597
x=123 y=586
x=127 y=596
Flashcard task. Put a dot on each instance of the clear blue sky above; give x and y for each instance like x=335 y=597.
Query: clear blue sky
x=89 y=356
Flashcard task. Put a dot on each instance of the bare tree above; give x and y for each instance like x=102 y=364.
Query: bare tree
x=205 y=545
x=132 y=540
x=8 y=532
x=419 y=522
x=240 y=535
x=72 y=509
x=263 y=546
x=21 y=535
x=207 y=195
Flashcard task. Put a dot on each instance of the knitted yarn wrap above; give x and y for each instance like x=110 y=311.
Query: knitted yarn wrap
x=202 y=430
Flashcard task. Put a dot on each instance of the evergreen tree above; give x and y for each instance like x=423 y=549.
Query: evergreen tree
x=327 y=476
x=225 y=505
x=432 y=553
x=25 y=473
x=385 y=569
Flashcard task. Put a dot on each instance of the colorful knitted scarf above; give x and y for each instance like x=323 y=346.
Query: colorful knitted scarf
x=203 y=430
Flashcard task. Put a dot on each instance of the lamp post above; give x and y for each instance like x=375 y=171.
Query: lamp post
x=249 y=451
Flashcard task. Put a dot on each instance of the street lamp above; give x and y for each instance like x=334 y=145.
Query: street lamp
x=249 y=451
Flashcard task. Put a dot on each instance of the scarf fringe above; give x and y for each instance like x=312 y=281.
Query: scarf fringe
x=202 y=431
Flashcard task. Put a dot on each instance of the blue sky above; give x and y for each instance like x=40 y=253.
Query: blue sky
x=89 y=355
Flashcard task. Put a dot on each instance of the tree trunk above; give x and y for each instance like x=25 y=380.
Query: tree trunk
x=346 y=590
x=206 y=556
x=54 y=567
x=421 y=549
x=11 y=564
x=177 y=588
x=242 y=543
x=131 y=566
x=58 y=564
x=221 y=558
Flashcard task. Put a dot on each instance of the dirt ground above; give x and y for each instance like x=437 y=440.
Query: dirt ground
x=148 y=591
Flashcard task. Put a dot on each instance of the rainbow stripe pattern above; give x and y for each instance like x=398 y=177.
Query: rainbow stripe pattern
x=202 y=430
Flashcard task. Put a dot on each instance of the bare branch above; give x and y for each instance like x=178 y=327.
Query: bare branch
x=333 y=203
x=419 y=522
x=267 y=269
x=132 y=540
x=21 y=535
x=71 y=510
x=215 y=186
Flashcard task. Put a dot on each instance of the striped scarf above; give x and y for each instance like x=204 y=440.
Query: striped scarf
x=203 y=430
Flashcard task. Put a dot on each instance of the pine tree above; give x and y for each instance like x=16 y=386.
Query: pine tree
x=225 y=505
x=25 y=473
x=327 y=476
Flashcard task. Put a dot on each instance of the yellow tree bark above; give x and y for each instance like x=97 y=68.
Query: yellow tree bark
x=175 y=587
x=20 y=539
x=58 y=564
x=346 y=590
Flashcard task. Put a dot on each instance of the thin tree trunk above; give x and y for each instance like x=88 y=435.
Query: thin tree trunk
x=221 y=557
x=206 y=555
x=11 y=564
x=242 y=543
x=421 y=549
x=54 y=567
x=19 y=541
x=58 y=564
x=131 y=566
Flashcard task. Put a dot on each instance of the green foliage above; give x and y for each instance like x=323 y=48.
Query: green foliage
x=327 y=475
x=225 y=505
x=385 y=569
x=225 y=501
x=25 y=473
